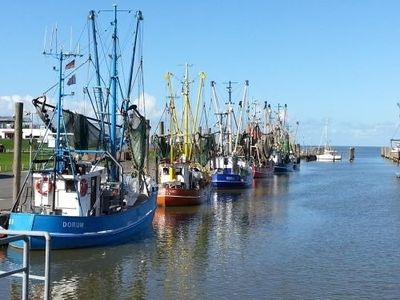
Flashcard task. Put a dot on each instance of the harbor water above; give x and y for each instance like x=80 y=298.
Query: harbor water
x=328 y=231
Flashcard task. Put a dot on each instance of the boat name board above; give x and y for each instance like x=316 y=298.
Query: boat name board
x=73 y=224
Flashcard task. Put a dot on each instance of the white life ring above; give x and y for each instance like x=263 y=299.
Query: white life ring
x=44 y=186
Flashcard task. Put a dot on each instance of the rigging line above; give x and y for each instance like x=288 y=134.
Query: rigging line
x=93 y=107
x=204 y=113
x=123 y=49
x=56 y=84
x=77 y=68
x=136 y=76
x=80 y=36
x=104 y=51
x=129 y=32
x=159 y=122
x=101 y=77
x=120 y=89
x=137 y=73
x=142 y=77
x=121 y=69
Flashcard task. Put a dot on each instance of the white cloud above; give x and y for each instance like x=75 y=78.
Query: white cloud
x=7 y=104
x=152 y=110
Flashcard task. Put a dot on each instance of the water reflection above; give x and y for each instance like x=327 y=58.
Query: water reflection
x=183 y=257
x=95 y=273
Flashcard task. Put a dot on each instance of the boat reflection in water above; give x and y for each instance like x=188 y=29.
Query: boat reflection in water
x=181 y=257
x=283 y=238
x=118 y=272
x=169 y=217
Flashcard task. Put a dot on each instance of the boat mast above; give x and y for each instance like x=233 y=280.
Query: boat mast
x=268 y=113
x=195 y=127
x=139 y=17
x=113 y=102
x=202 y=77
x=58 y=146
x=219 y=118
x=186 y=107
x=98 y=91
x=171 y=109
x=229 y=121
x=59 y=140
x=241 y=114
x=326 y=134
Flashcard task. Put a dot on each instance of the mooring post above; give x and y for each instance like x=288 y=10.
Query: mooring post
x=19 y=107
x=351 y=153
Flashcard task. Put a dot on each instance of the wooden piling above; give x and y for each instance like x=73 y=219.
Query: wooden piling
x=351 y=153
x=19 y=108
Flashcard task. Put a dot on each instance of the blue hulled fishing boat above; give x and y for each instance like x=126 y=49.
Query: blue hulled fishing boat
x=78 y=189
x=231 y=169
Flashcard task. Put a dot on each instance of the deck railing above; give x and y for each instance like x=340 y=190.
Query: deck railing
x=17 y=235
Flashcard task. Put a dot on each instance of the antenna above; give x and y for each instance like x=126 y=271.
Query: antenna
x=70 y=40
x=229 y=88
x=44 y=39
x=61 y=57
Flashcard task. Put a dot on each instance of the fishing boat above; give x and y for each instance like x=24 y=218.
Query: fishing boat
x=327 y=152
x=231 y=168
x=284 y=163
x=261 y=171
x=260 y=143
x=182 y=180
x=78 y=189
x=285 y=153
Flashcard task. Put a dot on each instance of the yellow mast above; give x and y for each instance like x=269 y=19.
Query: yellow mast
x=173 y=124
x=202 y=77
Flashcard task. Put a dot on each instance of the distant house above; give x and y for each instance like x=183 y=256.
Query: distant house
x=28 y=129
x=6 y=127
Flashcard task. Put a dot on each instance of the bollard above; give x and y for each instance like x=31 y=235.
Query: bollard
x=351 y=153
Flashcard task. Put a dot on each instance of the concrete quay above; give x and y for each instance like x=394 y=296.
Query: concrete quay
x=388 y=153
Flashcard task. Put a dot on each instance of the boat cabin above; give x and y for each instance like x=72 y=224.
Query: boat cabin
x=69 y=195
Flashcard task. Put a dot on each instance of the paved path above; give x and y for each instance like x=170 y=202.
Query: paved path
x=6 y=190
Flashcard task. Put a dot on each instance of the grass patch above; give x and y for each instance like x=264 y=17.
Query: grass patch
x=7 y=158
x=9 y=144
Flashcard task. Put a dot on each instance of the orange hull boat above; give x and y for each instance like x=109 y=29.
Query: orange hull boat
x=175 y=196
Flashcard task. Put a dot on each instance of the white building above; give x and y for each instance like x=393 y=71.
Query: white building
x=28 y=129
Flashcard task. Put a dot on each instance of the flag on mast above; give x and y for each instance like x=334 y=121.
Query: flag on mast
x=70 y=65
x=71 y=80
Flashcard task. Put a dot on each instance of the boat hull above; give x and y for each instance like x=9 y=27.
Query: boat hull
x=286 y=168
x=262 y=172
x=323 y=157
x=231 y=181
x=80 y=232
x=174 y=196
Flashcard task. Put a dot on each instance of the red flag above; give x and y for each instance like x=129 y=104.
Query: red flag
x=70 y=65
x=71 y=80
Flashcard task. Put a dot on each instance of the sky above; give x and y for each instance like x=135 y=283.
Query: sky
x=327 y=60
